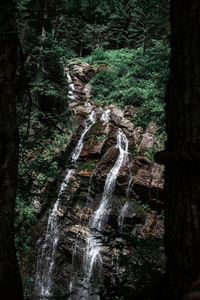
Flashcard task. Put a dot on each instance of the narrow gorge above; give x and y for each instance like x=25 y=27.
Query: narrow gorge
x=109 y=201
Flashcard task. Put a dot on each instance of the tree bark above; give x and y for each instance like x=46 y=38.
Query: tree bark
x=43 y=34
x=182 y=155
x=10 y=280
x=24 y=31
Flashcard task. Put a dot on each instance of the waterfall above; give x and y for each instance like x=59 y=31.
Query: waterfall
x=130 y=185
x=105 y=116
x=71 y=87
x=47 y=250
x=122 y=214
x=101 y=213
x=125 y=207
x=90 y=121
x=97 y=223
x=87 y=104
x=73 y=260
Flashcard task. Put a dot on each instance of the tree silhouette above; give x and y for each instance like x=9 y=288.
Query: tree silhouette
x=182 y=155
x=10 y=282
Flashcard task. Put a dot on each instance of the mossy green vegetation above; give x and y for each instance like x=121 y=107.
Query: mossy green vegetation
x=133 y=78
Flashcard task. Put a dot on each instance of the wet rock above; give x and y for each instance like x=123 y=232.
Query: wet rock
x=149 y=139
x=83 y=110
x=98 y=130
x=130 y=111
x=94 y=149
x=87 y=91
x=146 y=143
x=151 y=177
x=73 y=104
x=83 y=71
x=117 y=112
x=153 y=226
x=116 y=115
x=127 y=124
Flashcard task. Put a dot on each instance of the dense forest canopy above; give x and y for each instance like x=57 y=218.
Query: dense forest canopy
x=94 y=74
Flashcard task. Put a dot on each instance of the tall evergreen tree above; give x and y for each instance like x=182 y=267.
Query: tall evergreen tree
x=10 y=281
x=182 y=155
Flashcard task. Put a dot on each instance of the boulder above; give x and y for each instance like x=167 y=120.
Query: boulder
x=137 y=133
x=73 y=104
x=84 y=71
x=149 y=139
x=82 y=110
x=146 y=143
x=127 y=124
x=130 y=111
x=116 y=115
x=87 y=91
x=94 y=149
x=147 y=174
x=118 y=112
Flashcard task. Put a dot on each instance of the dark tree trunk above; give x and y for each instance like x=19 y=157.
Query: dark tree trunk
x=10 y=281
x=182 y=155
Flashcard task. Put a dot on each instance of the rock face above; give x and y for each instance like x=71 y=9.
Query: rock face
x=137 y=197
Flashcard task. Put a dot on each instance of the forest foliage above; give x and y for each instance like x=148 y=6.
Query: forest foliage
x=133 y=78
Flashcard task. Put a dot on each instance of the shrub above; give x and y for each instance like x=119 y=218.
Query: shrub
x=98 y=55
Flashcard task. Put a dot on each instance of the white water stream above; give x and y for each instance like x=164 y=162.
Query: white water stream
x=47 y=249
x=92 y=257
x=90 y=121
x=70 y=87
x=125 y=207
x=105 y=116
x=122 y=214
x=101 y=214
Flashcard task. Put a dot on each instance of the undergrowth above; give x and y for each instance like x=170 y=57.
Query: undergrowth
x=133 y=78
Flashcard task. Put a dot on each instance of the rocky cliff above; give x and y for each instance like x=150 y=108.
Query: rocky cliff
x=135 y=204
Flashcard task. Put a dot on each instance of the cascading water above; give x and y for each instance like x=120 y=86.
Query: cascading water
x=122 y=214
x=125 y=207
x=106 y=115
x=101 y=213
x=71 y=87
x=87 y=104
x=47 y=250
x=90 y=121
x=128 y=190
x=97 y=223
